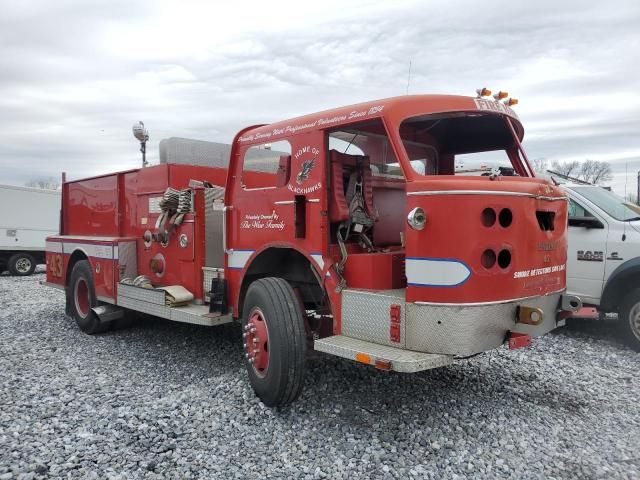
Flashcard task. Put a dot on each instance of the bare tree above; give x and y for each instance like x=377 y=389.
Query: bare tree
x=595 y=171
x=539 y=165
x=48 y=183
x=566 y=168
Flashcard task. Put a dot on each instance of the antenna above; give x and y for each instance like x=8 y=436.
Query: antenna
x=626 y=178
x=409 y=77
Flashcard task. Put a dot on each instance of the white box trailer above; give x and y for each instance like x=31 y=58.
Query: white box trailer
x=27 y=217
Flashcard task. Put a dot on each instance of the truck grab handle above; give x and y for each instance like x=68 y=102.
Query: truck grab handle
x=224 y=228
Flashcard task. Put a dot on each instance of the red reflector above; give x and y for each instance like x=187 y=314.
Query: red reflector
x=518 y=340
x=383 y=365
x=394 y=323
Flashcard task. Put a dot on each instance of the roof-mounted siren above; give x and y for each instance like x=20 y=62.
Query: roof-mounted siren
x=510 y=102
x=483 y=92
x=142 y=135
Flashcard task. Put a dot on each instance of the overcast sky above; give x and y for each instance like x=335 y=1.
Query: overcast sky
x=74 y=76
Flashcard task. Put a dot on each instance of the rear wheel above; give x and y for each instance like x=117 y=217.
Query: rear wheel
x=22 y=264
x=629 y=319
x=82 y=298
x=274 y=341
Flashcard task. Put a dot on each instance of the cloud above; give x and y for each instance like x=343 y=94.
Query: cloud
x=76 y=75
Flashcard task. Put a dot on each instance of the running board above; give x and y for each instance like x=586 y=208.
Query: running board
x=153 y=302
x=381 y=356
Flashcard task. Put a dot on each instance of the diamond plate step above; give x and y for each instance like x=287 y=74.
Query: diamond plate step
x=400 y=360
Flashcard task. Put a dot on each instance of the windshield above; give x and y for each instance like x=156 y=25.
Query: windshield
x=460 y=144
x=608 y=201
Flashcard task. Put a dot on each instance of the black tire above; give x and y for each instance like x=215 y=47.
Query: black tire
x=21 y=264
x=629 y=319
x=281 y=381
x=81 y=298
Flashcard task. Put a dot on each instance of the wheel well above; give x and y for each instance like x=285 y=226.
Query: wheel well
x=290 y=265
x=75 y=258
x=621 y=281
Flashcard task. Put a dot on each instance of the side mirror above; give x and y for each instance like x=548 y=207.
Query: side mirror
x=586 y=222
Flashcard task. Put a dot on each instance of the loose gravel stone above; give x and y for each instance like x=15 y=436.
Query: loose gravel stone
x=168 y=400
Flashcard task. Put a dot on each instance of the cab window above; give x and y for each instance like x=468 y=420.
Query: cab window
x=369 y=139
x=267 y=165
x=577 y=210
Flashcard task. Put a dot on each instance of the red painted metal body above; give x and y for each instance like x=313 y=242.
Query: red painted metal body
x=584 y=312
x=109 y=209
x=297 y=214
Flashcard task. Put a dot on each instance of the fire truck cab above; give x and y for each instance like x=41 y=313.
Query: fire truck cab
x=346 y=231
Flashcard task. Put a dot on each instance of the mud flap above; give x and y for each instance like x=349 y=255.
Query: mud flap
x=108 y=313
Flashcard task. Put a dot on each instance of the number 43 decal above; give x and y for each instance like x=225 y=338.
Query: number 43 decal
x=54 y=265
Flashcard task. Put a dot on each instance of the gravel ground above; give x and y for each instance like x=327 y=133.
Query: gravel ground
x=166 y=400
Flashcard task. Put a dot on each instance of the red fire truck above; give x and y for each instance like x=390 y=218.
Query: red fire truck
x=345 y=231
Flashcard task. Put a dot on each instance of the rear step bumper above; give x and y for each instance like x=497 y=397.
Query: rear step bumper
x=381 y=356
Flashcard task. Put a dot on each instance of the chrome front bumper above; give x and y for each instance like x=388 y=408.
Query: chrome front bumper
x=461 y=330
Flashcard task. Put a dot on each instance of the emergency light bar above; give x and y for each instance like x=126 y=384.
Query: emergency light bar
x=499 y=97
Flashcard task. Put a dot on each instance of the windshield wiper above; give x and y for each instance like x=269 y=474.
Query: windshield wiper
x=631 y=219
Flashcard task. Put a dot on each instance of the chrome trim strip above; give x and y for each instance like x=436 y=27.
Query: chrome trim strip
x=225 y=209
x=551 y=199
x=484 y=192
x=257 y=188
x=481 y=304
x=291 y=202
x=74 y=238
x=470 y=192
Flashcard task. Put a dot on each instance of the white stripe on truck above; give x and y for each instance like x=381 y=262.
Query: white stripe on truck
x=53 y=247
x=436 y=272
x=109 y=252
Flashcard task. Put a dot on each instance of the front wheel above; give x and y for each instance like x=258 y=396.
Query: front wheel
x=22 y=264
x=274 y=341
x=629 y=319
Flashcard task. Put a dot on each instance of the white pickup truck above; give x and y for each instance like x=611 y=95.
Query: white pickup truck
x=603 y=265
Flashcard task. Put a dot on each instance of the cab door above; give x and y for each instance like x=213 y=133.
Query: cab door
x=586 y=257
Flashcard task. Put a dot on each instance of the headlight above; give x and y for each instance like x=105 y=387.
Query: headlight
x=417 y=218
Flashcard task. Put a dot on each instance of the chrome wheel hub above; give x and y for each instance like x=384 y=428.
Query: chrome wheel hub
x=23 y=265
x=634 y=320
x=256 y=342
